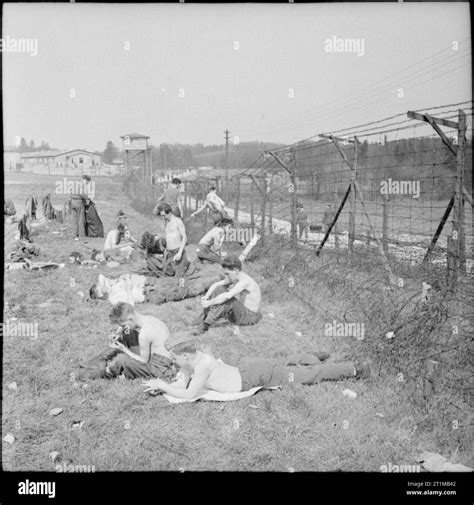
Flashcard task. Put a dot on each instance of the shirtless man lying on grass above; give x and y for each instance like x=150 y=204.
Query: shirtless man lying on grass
x=201 y=372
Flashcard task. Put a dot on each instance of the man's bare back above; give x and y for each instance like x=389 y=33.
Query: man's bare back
x=174 y=235
x=220 y=376
x=250 y=296
x=153 y=332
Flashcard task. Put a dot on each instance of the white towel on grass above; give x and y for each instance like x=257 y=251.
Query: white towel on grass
x=215 y=396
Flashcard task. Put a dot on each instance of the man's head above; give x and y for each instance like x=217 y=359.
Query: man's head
x=175 y=182
x=232 y=267
x=75 y=257
x=148 y=241
x=212 y=189
x=299 y=206
x=225 y=223
x=182 y=348
x=124 y=314
x=164 y=210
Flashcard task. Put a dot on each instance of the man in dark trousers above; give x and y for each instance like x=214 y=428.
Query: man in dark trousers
x=173 y=197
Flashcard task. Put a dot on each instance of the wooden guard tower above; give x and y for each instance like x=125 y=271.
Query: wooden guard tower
x=138 y=154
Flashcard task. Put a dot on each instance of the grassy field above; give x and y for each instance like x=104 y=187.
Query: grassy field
x=302 y=428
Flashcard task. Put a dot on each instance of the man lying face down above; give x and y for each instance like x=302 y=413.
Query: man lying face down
x=134 y=288
x=152 y=358
x=201 y=372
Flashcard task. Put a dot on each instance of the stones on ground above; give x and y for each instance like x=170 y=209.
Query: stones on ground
x=436 y=463
x=378 y=414
x=81 y=294
x=390 y=334
x=76 y=425
x=349 y=393
x=9 y=438
x=13 y=386
x=298 y=333
x=271 y=315
x=55 y=456
x=56 y=411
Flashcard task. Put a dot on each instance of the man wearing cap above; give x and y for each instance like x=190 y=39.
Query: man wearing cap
x=201 y=372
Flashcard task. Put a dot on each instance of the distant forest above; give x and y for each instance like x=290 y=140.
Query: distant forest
x=321 y=168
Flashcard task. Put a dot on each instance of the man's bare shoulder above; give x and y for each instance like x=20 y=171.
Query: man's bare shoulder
x=204 y=362
x=152 y=324
x=245 y=277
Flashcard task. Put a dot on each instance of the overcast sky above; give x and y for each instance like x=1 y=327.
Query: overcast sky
x=128 y=63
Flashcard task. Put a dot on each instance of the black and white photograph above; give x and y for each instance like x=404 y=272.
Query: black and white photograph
x=238 y=250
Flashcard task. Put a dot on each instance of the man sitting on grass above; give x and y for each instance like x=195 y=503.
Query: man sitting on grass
x=119 y=243
x=237 y=297
x=201 y=372
x=209 y=247
x=153 y=359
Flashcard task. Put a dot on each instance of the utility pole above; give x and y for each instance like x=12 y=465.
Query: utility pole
x=227 y=155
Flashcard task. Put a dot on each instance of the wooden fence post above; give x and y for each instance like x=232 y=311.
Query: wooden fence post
x=385 y=224
x=237 y=202
x=252 y=210
x=292 y=189
x=458 y=217
x=270 y=207
x=263 y=210
x=352 y=198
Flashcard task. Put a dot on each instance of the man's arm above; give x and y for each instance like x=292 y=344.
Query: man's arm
x=183 y=380
x=182 y=232
x=180 y=204
x=219 y=241
x=196 y=386
x=145 y=348
x=209 y=292
x=204 y=206
x=223 y=297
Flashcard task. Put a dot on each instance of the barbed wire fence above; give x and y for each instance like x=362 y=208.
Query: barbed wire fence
x=378 y=215
x=390 y=185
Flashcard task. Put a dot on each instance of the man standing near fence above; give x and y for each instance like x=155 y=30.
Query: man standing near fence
x=173 y=197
